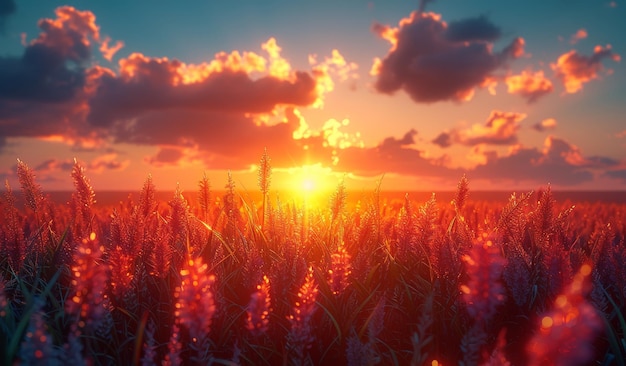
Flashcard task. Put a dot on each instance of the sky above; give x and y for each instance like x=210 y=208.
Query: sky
x=406 y=94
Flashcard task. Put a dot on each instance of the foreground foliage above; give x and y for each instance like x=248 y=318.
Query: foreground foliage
x=526 y=282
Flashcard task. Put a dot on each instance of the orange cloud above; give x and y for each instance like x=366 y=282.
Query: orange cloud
x=500 y=129
x=574 y=69
x=580 y=34
x=554 y=147
x=70 y=33
x=544 y=125
x=279 y=67
x=433 y=61
x=529 y=85
x=336 y=65
x=109 y=51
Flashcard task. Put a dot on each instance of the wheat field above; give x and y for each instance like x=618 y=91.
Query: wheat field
x=223 y=280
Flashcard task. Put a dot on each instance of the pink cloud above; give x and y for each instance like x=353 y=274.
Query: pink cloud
x=575 y=70
x=433 y=61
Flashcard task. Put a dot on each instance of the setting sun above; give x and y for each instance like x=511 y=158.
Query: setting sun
x=310 y=182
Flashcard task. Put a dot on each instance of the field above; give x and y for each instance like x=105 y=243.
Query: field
x=222 y=279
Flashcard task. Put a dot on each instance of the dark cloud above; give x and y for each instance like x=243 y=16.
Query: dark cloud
x=601 y=162
x=558 y=163
x=7 y=8
x=166 y=156
x=98 y=164
x=51 y=68
x=221 y=140
x=406 y=140
x=619 y=174
x=52 y=165
x=443 y=140
x=43 y=92
x=472 y=29
x=40 y=75
x=430 y=67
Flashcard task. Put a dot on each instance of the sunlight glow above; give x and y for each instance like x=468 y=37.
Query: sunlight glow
x=312 y=183
x=308 y=184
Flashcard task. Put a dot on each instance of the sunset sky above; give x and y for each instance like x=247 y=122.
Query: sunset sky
x=516 y=95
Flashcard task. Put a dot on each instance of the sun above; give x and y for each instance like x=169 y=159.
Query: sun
x=311 y=182
x=308 y=184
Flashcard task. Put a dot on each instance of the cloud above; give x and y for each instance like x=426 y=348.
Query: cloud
x=221 y=112
x=61 y=121
x=545 y=125
x=233 y=137
x=166 y=155
x=392 y=143
x=109 y=51
x=444 y=139
x=336 y=65
x=97 y=165
x=500 y=129
x=107 y=162
x=574 y=69
x=51 y=68
x=433 y=61
x=472 y=29
x=7 y=8
x=148 y=85
x=394 y=155
x=44 y=92
x=619 y=174
x=580 y=34
x=54 y=165
x=529 y=85
x=601 y=162
x=559 y=162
